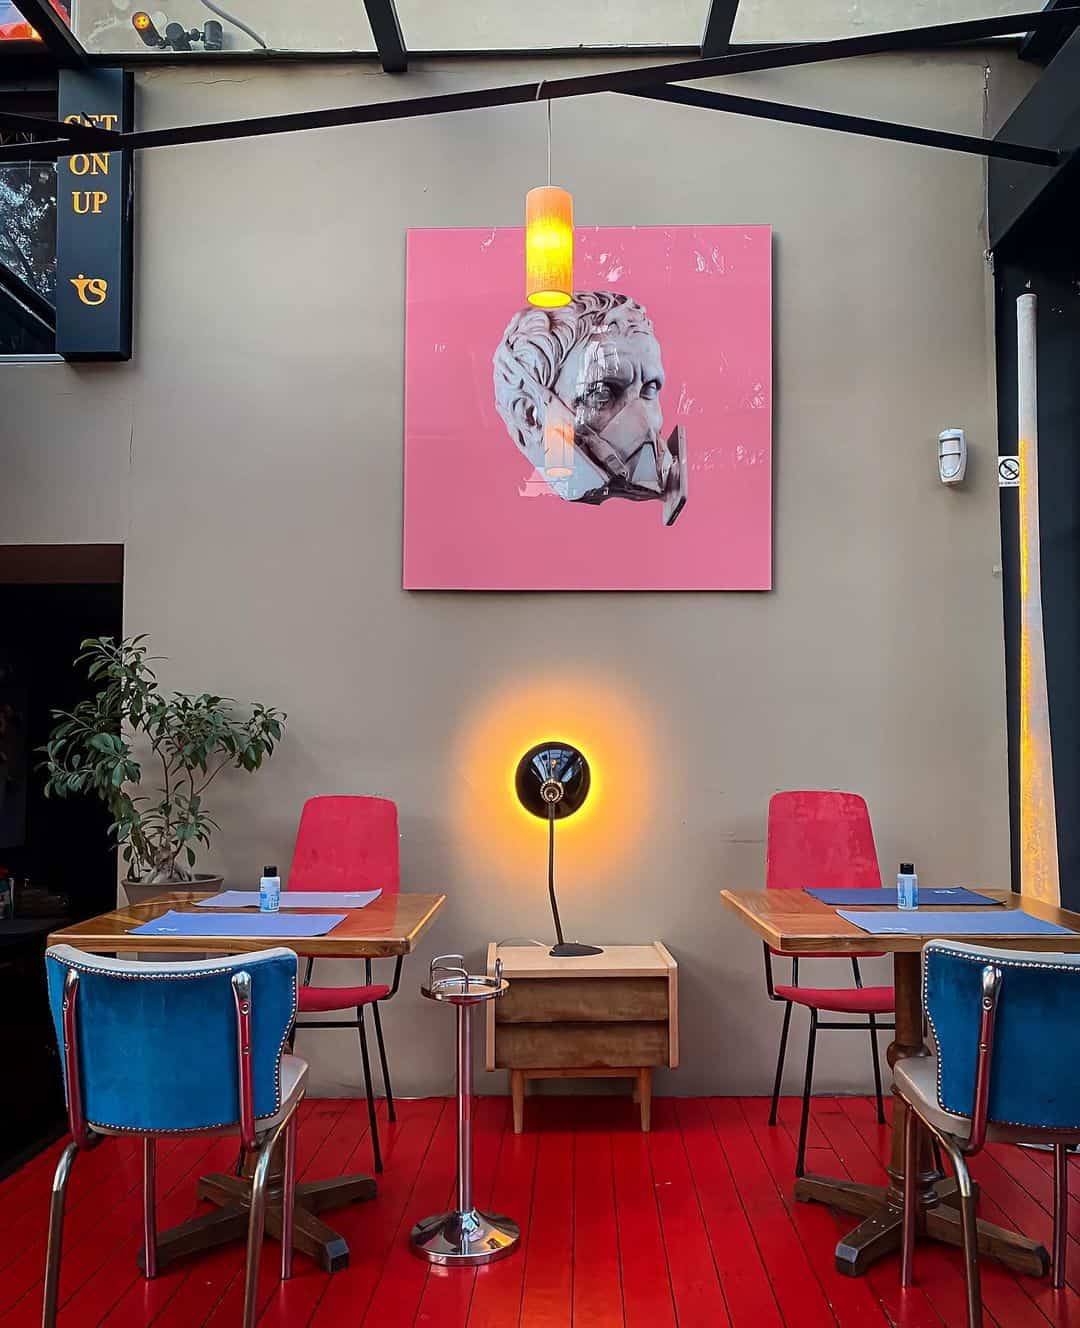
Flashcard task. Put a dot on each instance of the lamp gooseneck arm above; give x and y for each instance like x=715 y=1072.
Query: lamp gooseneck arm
x=551 y=873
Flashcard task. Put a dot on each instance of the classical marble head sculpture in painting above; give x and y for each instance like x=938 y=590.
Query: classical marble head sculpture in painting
x=578 y=389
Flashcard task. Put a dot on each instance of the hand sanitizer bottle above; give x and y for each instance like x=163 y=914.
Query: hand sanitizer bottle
x=907 y=886
x=270 y=890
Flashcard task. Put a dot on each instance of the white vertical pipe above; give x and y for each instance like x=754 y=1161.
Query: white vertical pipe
x=1038 y=819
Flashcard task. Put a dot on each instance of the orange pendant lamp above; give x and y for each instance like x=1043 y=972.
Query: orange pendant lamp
x=549 y=241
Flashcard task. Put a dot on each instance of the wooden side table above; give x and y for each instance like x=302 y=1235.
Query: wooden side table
x=613 y=1015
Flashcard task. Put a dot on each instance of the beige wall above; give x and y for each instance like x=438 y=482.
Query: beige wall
x=435 y=25
x=250 y=458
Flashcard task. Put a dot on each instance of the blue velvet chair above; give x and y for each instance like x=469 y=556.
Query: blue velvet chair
x=177 y=1048
x=1005 y=1067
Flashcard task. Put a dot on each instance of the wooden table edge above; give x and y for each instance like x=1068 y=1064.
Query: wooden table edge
x=856 y=941
x=316 y=947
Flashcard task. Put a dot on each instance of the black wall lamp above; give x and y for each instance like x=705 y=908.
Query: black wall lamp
x=176 y=36
x=552 y=782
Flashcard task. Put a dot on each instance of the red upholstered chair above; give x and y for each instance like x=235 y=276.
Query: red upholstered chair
x=350 y=843
x=819 y=840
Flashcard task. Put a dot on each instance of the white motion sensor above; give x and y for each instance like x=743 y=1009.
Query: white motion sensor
x=952 y=456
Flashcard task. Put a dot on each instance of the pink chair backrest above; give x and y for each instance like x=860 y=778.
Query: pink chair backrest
x=346 y=843
x=820 y=839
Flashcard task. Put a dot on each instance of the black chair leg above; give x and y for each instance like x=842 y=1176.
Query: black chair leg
x=808 y=1084
x=875 y=1053
x=382 y=1061
x=372 y=1118
x=780 y=1063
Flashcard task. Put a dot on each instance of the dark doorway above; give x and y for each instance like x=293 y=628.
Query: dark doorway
x=58 y=851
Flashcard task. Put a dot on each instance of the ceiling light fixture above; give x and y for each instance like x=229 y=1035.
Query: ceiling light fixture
x=549 y=238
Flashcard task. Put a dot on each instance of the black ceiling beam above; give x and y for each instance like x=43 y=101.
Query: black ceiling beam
x=716 y=39
x=1017 y=196
x=852 y=124
x=88 y=136
x=623 y=80
x=385 y=28
x=1043 y=44
x=36 y=307
x=63 y=45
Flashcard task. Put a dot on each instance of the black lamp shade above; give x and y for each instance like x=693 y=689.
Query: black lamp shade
x=552 y=779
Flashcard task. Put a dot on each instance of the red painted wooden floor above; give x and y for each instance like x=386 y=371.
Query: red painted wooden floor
x=691 y=1226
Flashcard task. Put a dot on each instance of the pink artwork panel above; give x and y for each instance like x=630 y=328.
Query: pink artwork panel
x=623 y=442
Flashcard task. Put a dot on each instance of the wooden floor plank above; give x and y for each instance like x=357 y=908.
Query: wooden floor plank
x=796 y=1282
x=744 y=1278
x=448 y=1292
x=939 y=1270
x=197 y=1286
x=598 y=1293
x=907 y=1309
x=371 y=1229
x=695 y=1282
x=692 y=1225
x=143 y=1301
x=646 y=1281
x=345 y=1151
x=102 y=1190
x=314 y=1129
x=496 y=1300
x=548 y=1288
x=102 y=1175
x=191 y=1291
x=400 y=1286
x=99 y=1268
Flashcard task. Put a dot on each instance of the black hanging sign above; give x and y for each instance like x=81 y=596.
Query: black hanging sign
x=94 y=215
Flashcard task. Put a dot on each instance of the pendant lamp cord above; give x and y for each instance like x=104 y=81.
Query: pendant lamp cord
x=539 y=91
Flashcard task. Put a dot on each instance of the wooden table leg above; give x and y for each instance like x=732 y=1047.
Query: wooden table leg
x=517 y=1092
x=231 y=1194
x=644 y=1096
x=881 y=1207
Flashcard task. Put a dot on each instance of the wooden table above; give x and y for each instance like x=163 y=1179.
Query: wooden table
x=614 y=1015
x=388 y=926
x=794 y=923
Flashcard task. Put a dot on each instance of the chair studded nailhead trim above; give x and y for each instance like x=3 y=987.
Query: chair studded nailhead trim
x=997 y=962
x=175 y=977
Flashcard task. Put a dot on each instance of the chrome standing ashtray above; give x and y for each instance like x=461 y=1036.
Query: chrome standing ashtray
x=464 y=1236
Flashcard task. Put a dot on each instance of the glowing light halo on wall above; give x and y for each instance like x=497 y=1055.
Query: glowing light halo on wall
x=609 y=723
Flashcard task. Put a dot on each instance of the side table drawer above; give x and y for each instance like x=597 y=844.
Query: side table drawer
x=571 y=1000
x=584 y=1046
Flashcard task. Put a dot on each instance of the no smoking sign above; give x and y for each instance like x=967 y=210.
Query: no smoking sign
x=1008 y=472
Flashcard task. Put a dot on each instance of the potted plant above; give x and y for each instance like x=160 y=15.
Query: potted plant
x=100 y=746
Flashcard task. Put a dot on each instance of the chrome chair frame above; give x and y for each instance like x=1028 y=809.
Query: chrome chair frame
x=359 y=1025
x=817 y=1023
x=84 y=1137
x=958 y=1152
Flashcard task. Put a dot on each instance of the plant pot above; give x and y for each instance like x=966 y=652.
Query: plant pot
x=136 y=892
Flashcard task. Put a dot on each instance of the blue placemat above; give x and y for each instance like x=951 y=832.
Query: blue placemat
x=240 y=924
x=953 y=896
x=914 y=922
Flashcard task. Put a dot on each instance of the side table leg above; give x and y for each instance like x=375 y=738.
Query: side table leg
x=517 y=1092
x=644 y=1093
